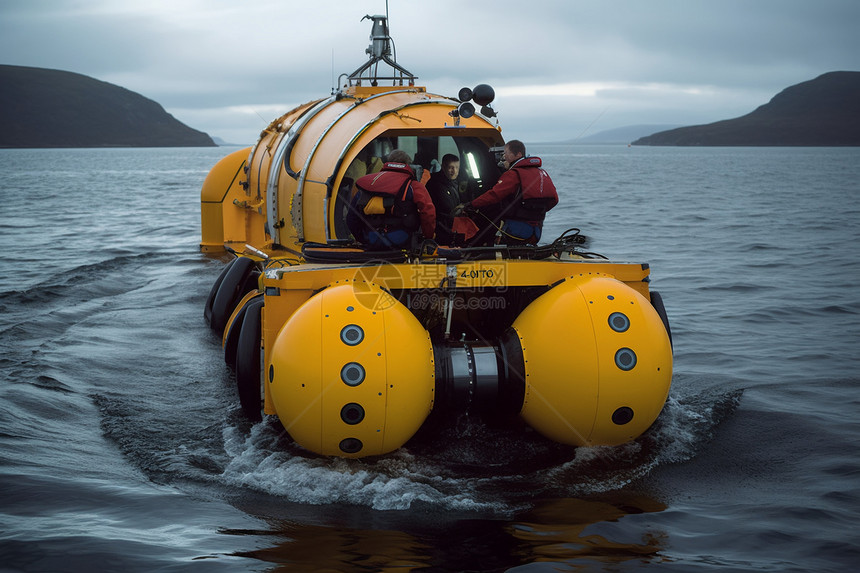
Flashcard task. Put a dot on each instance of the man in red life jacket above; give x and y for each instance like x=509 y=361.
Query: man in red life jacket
x=390 y=206
x=522 y=195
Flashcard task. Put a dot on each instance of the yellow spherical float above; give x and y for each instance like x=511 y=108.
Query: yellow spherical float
x=352 y=372
x=597 y=361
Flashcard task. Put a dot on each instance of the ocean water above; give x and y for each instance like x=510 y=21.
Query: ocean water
x=122 y=447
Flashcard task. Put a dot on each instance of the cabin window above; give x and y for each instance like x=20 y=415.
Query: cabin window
x=478 y=169
x=477 y=165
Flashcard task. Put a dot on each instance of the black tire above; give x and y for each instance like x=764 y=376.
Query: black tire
x=251 y=282
x=248 y=361
x=657 y=303
x=207 y=311
x=230 y=292
x=231 y=341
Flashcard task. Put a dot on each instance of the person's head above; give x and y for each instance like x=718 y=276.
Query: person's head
x=399 y=156
x=451 y=166
x=514 y=149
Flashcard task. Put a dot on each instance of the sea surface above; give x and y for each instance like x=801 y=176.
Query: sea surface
x=122 y=447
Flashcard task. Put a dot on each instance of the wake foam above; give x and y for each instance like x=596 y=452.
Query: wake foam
x=264 y=459
x=260 y=462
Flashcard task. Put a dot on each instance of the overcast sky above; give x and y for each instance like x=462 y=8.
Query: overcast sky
x=561 y=68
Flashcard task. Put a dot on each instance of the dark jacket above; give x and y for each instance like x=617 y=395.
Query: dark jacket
x=445 y=194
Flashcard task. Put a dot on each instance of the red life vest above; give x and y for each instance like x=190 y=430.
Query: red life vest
x=385 y=198
x=537 y=193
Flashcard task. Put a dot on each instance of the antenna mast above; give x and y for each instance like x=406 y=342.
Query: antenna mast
x=380 y=50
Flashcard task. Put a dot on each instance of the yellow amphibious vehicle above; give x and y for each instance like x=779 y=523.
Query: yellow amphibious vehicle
x=352 y=350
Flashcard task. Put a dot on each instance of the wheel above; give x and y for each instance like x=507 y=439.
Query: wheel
x=207 y=311
x=657 y=303
x=248 y=361
x=230 y=291
x=231 y=340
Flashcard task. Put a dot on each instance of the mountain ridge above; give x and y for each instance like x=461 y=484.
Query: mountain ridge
x=821 y=112
x=42 y=108
x=621 y=135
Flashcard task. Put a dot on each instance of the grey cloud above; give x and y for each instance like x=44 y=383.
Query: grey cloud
x=217 y=55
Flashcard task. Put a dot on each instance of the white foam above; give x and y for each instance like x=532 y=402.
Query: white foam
x=264 y=460
x=393 y=482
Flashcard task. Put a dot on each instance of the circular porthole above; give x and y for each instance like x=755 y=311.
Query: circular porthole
x=352 y=374
x=352 y=413
x=351 y=334
x=619 y=322
x=351 y=445
x=625 y=359
x=622 y=415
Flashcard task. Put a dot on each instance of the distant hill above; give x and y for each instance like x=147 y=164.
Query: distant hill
x=821 y=112
x=221 y=143
x=54 y=108
x=621 y=134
